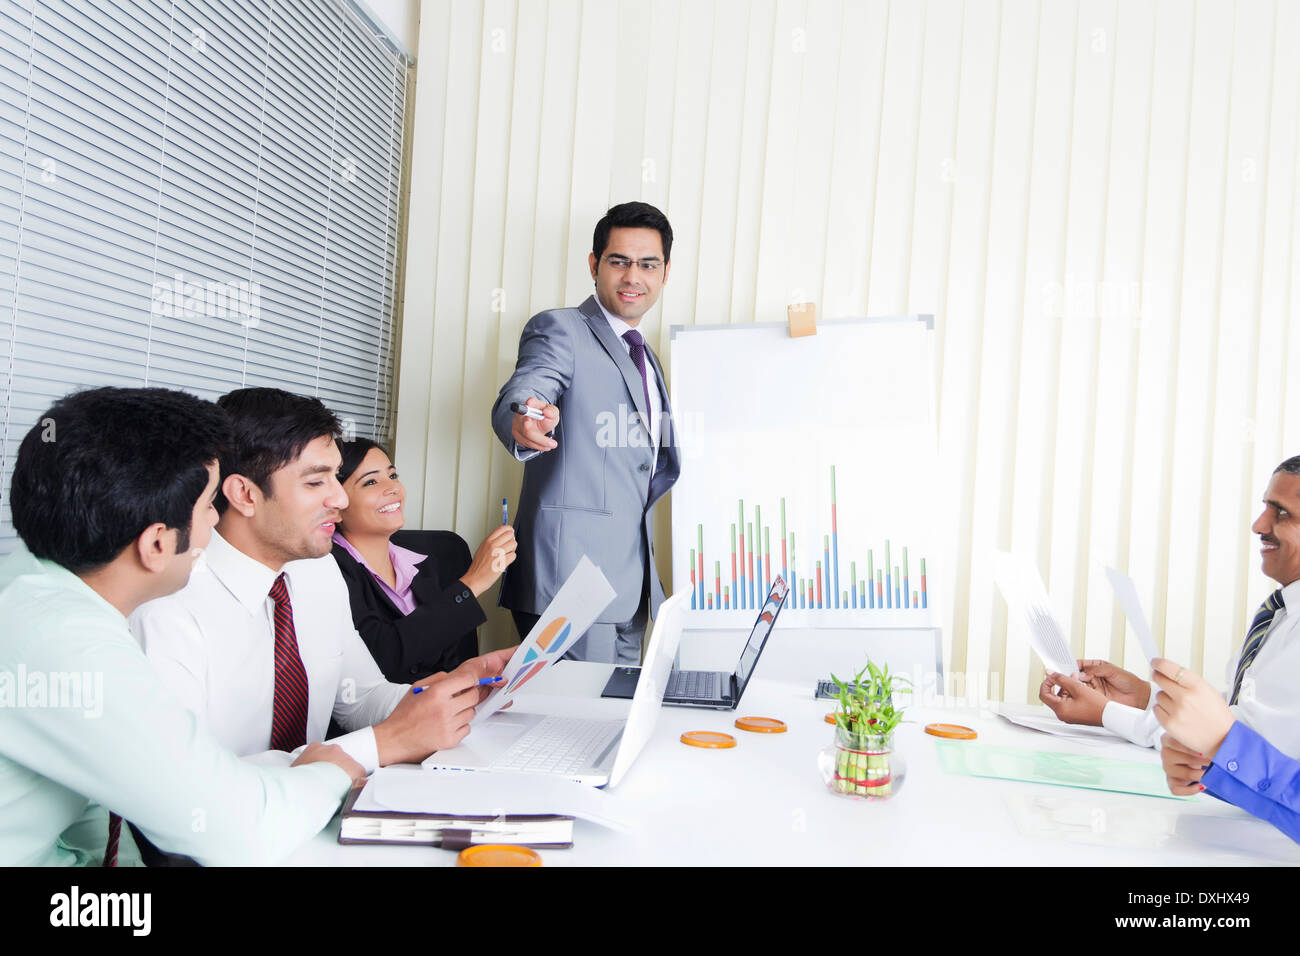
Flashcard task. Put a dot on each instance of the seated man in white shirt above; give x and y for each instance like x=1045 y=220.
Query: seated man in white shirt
x=1262 y=676
x=112 y=497
x=260 y=644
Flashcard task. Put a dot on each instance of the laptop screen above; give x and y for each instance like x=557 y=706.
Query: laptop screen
x=758 y=636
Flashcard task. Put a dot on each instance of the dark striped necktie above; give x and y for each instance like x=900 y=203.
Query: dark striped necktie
x=289 y=708
x=1255 y=638
x=114 y=835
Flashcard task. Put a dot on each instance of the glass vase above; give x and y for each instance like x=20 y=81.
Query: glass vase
x=862 y=765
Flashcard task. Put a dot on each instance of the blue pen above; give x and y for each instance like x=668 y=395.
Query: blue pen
x=505 y=511
x=482 y=682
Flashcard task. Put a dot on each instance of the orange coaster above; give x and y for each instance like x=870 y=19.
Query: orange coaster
x=709 y=739
x=950 y=731
x=498 y=854
x=761 y=725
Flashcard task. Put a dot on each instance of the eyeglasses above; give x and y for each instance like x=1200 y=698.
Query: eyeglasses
x=623 y=263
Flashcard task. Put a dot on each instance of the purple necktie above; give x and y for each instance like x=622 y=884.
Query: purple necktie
x=633 y=338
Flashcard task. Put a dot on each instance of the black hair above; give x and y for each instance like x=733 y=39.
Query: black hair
x=632 y=215
x=353 y=452
x=104 y=464
x=1291 y=466
x=271 y=428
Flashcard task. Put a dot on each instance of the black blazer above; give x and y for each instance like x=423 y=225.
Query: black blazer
x=442 y=631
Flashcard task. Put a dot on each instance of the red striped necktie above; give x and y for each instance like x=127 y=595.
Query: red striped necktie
x=114 y=834
x=289 y=709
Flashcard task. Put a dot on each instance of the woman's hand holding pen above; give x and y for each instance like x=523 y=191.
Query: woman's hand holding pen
x=494 y=555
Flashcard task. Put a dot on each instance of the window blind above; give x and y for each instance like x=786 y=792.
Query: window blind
x=197 y=194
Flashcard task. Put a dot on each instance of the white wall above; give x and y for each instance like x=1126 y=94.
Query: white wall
x=1095 y=198
x=401 y=18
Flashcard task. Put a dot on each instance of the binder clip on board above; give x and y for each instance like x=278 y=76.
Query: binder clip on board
x=802 y=319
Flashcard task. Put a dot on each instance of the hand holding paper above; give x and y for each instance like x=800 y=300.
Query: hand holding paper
x=1076 y=702
x=1190 y=709
x=1116 y=684
x=575 y=606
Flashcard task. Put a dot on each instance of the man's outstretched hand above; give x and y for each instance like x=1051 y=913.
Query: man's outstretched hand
x=531 y=433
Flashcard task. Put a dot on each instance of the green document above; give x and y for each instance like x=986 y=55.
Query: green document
x=1045 y=766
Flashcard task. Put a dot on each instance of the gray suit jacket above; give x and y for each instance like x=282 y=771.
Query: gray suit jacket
x=594 y=493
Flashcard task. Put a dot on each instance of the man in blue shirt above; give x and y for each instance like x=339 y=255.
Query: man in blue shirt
x=1207 y=749
x=112 y=495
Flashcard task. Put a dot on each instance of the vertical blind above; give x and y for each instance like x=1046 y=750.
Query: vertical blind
x=198 y=194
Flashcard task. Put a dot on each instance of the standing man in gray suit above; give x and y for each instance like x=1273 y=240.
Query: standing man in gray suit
x=603 y=452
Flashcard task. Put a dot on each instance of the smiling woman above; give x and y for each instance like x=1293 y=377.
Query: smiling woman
x=414 y=594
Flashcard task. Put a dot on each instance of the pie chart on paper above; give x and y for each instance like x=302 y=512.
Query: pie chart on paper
x=525 y=675
x=538 y=656
x=555 y=632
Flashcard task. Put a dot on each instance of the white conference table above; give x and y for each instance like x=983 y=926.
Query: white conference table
x=764 y=803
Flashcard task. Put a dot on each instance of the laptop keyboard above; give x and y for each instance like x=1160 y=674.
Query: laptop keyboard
x=697 y=685
x=559 y=745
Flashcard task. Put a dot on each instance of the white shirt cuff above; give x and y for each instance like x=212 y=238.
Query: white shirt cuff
x=360 y=745
x=1136 y=726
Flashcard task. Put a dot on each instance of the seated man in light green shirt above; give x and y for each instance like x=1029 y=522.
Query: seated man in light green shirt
x=112 y=496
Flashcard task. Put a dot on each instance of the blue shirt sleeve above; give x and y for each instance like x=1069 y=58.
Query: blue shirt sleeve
x=1250 y=773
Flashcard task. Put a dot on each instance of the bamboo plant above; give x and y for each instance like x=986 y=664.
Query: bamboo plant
x=865 y=722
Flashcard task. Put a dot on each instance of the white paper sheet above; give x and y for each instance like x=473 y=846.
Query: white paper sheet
x=1044 y=721
x=465 y=793
x=1026 y=596
x=1126 y=591
x=575 y=606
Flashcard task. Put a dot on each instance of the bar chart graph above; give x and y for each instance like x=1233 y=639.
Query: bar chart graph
x=811 y=459
x=816 y=584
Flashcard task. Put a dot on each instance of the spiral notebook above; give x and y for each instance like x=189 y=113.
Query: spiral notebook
x=452 y=832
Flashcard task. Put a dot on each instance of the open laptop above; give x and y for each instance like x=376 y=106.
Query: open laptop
x=714 y=689
x=592 y=751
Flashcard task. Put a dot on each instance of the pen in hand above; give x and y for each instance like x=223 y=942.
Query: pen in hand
x=482 y=682
x=519 y=408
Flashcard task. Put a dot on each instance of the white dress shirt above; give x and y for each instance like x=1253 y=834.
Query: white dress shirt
x=621 y=328
x=213 y=645
x=1270 y=705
